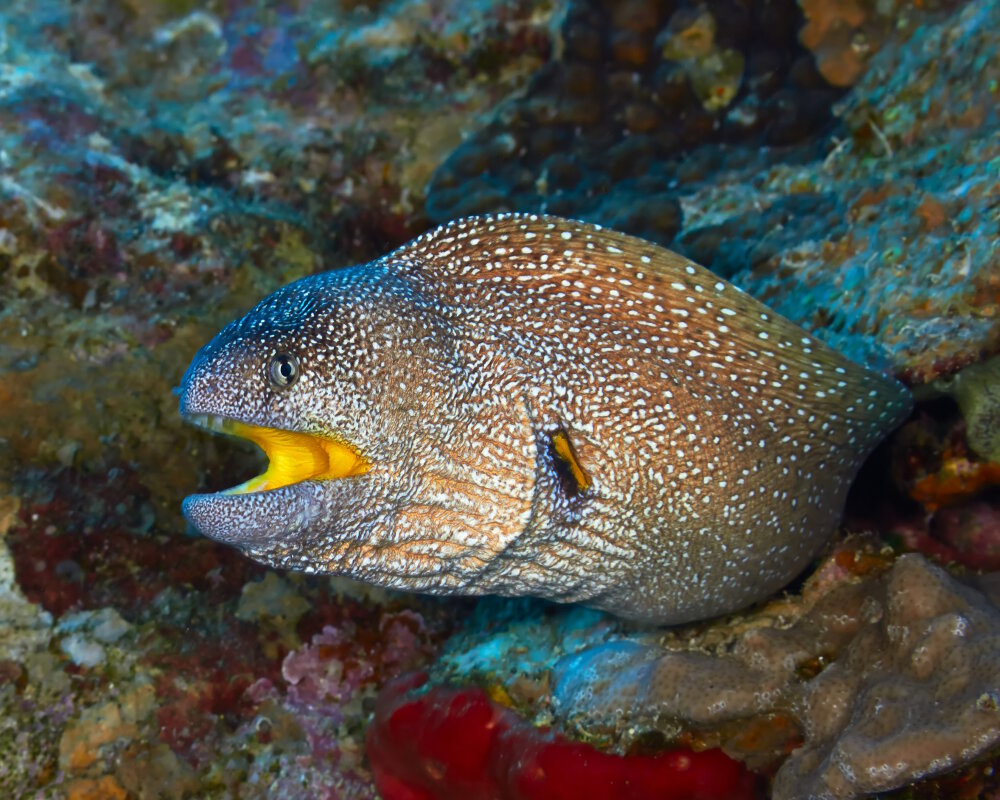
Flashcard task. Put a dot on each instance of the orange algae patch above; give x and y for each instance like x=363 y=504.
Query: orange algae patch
x=81 y=743
x=776 y=732
x=958 y=479
x=103 y=788
x=932 y=212
x=860 y=563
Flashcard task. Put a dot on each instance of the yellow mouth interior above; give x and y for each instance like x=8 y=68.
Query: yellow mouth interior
x=294 y=457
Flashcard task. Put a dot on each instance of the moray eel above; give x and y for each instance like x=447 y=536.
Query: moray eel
x=526 y=405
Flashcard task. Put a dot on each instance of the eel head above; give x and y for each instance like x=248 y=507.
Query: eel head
x=354 y=386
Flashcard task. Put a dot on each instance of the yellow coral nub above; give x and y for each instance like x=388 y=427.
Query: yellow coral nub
x=294 y=457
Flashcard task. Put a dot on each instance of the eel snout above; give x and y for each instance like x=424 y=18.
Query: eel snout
x=284 y=501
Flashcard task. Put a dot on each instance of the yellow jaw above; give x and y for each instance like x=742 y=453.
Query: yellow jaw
x=295 y=457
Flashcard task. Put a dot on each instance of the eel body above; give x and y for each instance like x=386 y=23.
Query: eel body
x=526 y=405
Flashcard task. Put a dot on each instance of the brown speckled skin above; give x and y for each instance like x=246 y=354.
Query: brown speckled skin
x=719 y=438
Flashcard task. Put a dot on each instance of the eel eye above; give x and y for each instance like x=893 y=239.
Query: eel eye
x=283 y=370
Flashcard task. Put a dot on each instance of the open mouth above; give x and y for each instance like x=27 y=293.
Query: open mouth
x=292 y=456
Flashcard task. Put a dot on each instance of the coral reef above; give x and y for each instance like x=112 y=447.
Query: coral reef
x=714 y=72
x=945 y=460
x=165 y=164
x=913 y=693
x=912 y=168
x=213 y=684
x=26 y=627
x=875 y=233
x=976 y=389
x=936 y=464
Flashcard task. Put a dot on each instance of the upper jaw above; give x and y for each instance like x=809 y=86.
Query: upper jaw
x=294 y=456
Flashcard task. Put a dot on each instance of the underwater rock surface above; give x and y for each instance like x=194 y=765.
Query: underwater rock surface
x=163 y=165
x=609 y=129
x=869 y=683
x=876 y=234
x=916 y=169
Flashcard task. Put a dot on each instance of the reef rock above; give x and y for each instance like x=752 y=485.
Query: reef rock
x=872 y=681
x=864 y=217
x=915 y=692
x=25 y=627
x=611 y=127
x=976 y=389
x=910 y=688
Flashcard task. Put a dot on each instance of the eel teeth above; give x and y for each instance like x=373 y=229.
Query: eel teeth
x=210 y=422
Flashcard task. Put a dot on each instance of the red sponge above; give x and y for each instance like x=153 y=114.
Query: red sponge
x=456 y=744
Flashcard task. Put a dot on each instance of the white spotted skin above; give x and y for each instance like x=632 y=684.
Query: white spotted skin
x=719 y=438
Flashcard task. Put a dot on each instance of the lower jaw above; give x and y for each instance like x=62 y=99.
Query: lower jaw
x=258 y=519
